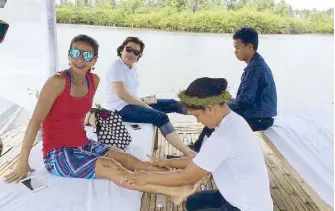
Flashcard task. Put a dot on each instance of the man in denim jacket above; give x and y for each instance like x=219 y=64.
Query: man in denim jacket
x=256 y=99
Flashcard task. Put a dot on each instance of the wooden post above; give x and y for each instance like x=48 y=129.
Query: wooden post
x=1 y=147
x=155 y=139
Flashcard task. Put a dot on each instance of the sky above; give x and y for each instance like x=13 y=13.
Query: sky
x=310 y=4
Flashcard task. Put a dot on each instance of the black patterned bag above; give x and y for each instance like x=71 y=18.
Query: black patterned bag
x=110 y=129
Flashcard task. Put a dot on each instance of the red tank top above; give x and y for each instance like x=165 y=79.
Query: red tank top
x=64 y=125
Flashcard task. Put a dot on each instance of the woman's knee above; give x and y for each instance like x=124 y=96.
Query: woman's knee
x=161 y=119
x=114 y=150
x=102 y=163
x=113 y=171
x=117 y=154
x=100 y=166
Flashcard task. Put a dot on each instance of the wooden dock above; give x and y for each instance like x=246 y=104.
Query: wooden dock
x=288 y=193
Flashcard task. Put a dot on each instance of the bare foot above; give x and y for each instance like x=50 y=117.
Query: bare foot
x=205 y=179
x=180 y=193
x=150 y=167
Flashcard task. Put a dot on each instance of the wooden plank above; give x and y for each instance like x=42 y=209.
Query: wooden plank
x=11 y=141
x=275 y=207
x=169 y=206
x=180 y=207
x=144 y=202
x=3 y=136
x=281 y=197
x=170 y=151
x=297 y=191
x=166 y=147
x=10 y=159
x=7 y=160
x=320 y=203
x=9 y=135
x=288 y=184
x=188 y=138
x=161 y=154
x=213 y=183
x=279 y=202
x=152 y=204
x=148 y=201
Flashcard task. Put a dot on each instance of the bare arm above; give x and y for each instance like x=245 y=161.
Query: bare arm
x=122 y=92
x=96 y=81
x=179 y=163
x=191 y=174
x=49 y=93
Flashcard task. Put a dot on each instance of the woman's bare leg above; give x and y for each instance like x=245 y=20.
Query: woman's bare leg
x=110 y=169
x=130 y=162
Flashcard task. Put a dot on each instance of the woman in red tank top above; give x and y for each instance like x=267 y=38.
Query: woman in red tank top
x=61 y=108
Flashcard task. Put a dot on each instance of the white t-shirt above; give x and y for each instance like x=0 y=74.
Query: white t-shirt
x=119 y=71
x=234 y=157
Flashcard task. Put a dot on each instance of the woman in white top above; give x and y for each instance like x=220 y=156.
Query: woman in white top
x=232 y=154
x=122 y=95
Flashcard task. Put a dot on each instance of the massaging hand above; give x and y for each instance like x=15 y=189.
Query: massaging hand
x=21 y=171
x=158 y=162
x=150 y=99
x=137 y=178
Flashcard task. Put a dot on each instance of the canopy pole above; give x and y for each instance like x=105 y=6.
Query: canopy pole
x=49 y=18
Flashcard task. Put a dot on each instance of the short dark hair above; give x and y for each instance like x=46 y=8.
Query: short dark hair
x=87 y=39
x=247 y=36
x=128 y=40
x=205 y=87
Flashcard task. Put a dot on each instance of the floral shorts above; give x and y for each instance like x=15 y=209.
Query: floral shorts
x=76 y=162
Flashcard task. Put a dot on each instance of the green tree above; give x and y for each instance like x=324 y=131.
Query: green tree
x=230 y=4
x=283 y=9
x=265 y=5
x=195 y=6
x=178 y=5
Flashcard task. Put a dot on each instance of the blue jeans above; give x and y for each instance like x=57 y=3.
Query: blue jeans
x=156 y=116
x=208 y=200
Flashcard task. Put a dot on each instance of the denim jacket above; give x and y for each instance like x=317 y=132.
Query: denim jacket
x=256 y=95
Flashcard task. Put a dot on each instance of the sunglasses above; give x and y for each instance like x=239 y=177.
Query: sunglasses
x=3 y=30
x=87 y=56
x=130 y=49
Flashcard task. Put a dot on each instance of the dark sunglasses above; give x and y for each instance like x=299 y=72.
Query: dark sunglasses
x=3 y=30
x=130 y=49
x=87 y=56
